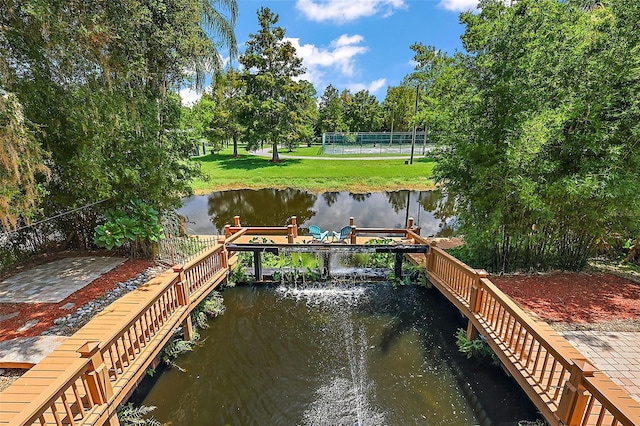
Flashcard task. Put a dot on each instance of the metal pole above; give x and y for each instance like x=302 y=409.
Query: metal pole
x=413 y=135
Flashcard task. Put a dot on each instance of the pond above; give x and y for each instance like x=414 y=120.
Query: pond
x=207 y=214
x=344 y=355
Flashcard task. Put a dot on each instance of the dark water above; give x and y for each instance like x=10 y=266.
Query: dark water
x=362 y=355
x=207 y=214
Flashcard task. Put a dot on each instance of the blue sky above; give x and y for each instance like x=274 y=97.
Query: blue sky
x=357 y=44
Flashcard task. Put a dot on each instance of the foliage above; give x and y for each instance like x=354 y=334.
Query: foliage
x=130 y=415
x=177 y=347
x=22 y=160
x=398 y=106
x=135 y=224
x=361 y=111
x=276 y=107
x=477 y=348
x=239 y=273
x=210 y=307
x=96 y=82
x=539 y=130
x=228 y=91
x=330 y=112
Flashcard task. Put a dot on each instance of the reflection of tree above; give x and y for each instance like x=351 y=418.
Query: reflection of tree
x=359 y=197
x=265 y=207
x=429 y=199
x=443 y=208
x=397 y=199
x=330 y=198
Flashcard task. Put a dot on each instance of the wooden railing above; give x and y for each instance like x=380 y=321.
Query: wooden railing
x=563 y=385
x=291 y=230
x=83 y=380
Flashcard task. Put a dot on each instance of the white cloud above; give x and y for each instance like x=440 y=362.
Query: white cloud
x=372 y=87
x=189 y=96
x=459 y=5
x=341 y=11
x=337 y=60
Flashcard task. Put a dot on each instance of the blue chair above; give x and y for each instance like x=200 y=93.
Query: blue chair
x=317 y=234
x=342 y=235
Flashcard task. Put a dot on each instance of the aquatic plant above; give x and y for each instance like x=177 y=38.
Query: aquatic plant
x=130 y=415
x=476 y=348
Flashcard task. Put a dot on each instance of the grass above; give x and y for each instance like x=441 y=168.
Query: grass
x=251 y=172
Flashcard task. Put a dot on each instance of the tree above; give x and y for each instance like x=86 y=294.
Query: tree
x=96 y=80
x=546 y=159
x=362 y=112
x=228 y=89
x=275 y=107
x=398 y=106
x=441 y=89
x=330 y=112
x=21 y=161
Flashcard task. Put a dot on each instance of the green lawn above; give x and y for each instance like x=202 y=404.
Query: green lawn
x=251 y=172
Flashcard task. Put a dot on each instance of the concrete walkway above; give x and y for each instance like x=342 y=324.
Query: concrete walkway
x=54 y=281
x=615 y=353
x=48 y=283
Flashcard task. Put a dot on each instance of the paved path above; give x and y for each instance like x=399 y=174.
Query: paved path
x=616 y=354
x=49 y=283
x=53 y=281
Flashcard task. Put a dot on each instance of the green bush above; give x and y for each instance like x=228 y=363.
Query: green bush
x=134 y=224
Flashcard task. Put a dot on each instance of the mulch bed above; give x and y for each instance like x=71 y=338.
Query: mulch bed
x=577 y=298
x=46 y=313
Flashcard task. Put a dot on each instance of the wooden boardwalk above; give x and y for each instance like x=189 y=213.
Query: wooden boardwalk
x=84 y=380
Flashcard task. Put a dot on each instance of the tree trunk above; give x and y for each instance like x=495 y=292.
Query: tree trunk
x=235 y=146
x=275 y=158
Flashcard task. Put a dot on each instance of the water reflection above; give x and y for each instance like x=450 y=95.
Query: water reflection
x=207 y=214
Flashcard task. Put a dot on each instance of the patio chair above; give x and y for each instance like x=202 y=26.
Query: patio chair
x=317 y=234
x=342 y=235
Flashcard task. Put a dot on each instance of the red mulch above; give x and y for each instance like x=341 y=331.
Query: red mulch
x=574 y=297
x=47 y=312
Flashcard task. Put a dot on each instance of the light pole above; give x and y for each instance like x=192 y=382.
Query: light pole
x=413 y=135
x=393 y=116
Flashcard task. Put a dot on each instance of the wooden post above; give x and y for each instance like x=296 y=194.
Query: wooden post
x=351 y=221
x=475 y=302
x=290 y=234
x=574 y=396
x=99 y=387
x=227 y=231
x=257 y=265
x=397 y=266
x=184 y=298
x=326 y=264
x=294 y=223
x=410 y=223
x=431 y=257
x=236 y=221
x=353 y=234
x=183 y=226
